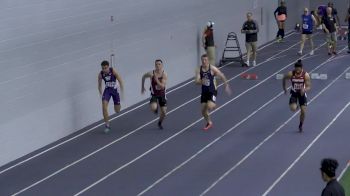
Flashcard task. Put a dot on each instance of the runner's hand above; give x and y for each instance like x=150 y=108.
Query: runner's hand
x=228 y=90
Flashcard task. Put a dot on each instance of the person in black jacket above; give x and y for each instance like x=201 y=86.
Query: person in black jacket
x=330 y=27
x=333 y=188
x=281 y=16
x=334 y=12
x=250 y=28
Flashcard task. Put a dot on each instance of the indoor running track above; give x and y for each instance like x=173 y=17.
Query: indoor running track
x=254 y=147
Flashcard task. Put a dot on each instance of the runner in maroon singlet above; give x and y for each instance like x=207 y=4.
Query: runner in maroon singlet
x=158 y=90
x=301 y=83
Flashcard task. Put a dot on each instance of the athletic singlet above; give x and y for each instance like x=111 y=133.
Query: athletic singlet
x=109 y=78
x=298 y=82
x=209 y=38
x=307 y=23
x=208 y=81
x=157 y=90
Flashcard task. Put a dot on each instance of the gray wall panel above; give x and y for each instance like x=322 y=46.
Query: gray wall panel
x=50 y=53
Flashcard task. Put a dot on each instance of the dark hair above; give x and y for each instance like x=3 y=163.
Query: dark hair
x=298 y=63
x=158 y=60
x=204 y=55
x=328 y=166
x=104 y=63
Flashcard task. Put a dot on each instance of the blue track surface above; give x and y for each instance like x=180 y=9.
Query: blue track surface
x=253 y=142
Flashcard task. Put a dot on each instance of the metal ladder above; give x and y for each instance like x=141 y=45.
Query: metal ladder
x=231 y=48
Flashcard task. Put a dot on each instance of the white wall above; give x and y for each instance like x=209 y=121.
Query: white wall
x=50 y=54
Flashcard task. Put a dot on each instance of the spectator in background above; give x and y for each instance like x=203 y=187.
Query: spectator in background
x=333 y=188
x=281 y=17
x=208 y=42
x=334 y=12
x=330 y=27
x=308 y=22
x=251 y=29
x=347 y=19
x=314 y=13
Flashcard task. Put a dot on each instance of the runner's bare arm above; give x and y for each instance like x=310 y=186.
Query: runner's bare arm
x=116 y=74
x=218 y=73
x=99 y=82
x=286 y=77
x=146 y=75
x=307 y=82
x=197 y=78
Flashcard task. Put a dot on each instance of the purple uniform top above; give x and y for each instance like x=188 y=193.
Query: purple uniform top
x=109 y=78
x=110 y=87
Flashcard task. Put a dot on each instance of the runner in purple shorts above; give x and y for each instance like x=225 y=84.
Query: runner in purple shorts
x=110 y=77
x=158 y=91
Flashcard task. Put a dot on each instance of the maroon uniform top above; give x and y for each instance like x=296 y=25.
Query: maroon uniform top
x=157 y=90
x=298 y=82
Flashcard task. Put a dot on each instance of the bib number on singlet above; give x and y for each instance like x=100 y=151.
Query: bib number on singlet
x=305 y=26
x=206 y=82
x=298 y=86
x=110 y=84
x=158 y=88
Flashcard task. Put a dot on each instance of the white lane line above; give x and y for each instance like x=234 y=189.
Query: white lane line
x=143 y=104
x=343 y=171
x=279 y=57
x=265 y=140
x=340 y=57
x=121 y=138
x=305 y=150
x=209 y=145
x=311 y=56
x=213 y=142
x=178 y=133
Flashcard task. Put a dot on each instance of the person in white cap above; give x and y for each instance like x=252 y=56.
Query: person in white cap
x=208 y=42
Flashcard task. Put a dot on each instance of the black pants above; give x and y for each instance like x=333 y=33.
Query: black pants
x=280 y=32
